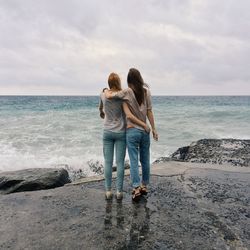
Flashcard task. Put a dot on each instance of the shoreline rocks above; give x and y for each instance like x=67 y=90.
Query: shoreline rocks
x=32 y=179
x=216 y=151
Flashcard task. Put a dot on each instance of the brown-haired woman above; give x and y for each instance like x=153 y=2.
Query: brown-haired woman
x=138 y=104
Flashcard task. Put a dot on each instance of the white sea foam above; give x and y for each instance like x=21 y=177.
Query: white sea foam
x=13 y=159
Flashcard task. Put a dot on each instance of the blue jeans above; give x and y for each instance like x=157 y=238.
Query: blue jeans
x=138 y=143
x=113 y=140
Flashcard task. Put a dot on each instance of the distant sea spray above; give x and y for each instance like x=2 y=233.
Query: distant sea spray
x=54 y=131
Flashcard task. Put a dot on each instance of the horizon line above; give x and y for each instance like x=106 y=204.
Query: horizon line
x=98 y=95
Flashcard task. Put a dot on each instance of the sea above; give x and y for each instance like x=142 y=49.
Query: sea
x=66 y=131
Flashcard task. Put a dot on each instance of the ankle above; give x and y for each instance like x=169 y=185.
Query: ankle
x=119 y=195
x=108 y=195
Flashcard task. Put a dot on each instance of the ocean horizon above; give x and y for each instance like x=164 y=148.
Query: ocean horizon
x=58 y=130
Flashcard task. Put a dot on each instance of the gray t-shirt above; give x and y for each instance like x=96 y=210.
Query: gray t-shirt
x=114 y=119
x=139 y=111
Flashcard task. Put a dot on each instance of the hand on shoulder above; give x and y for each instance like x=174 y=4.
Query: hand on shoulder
x=108 y=93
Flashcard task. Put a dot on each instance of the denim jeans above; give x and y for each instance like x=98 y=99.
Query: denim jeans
x=138 y=143
x=113 y=140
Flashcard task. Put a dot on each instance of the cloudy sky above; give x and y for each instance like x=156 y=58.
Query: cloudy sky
x=69 y=47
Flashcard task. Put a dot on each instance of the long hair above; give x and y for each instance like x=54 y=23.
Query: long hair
x=136 y=83
x=114 y=81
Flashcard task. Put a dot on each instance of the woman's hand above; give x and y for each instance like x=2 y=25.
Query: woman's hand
x=108 y=93
x=147 y=128
x=155 y=134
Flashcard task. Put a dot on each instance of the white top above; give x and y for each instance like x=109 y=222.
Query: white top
x=114 y=119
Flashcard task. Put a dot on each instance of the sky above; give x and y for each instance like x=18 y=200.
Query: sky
x=69 y=47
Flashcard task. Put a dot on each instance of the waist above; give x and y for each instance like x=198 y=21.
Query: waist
x=130 y=126
x=106 y=131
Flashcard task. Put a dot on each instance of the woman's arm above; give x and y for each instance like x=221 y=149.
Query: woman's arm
x=150 y=116
x=131 y=117
x=121 y=94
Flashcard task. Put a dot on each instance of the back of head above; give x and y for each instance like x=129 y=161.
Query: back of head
x=136 y=83
x=114 y=81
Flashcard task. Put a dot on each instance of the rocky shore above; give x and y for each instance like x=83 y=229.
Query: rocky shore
x=191 y=205
x=216 y=151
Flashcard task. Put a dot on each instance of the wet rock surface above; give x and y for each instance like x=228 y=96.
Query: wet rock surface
x=198 y=209
x=32 y=179
x=217 y=151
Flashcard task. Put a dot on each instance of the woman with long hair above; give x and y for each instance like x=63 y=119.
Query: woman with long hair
x=114 y=136
x=138 y=104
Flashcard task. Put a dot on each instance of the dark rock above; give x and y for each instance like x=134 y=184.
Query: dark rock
x=96 y=167
x=32 y=179
x=182 y=153
x=217 y=151
x=162 y=159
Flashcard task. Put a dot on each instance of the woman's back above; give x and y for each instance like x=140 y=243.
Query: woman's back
x=114 y=116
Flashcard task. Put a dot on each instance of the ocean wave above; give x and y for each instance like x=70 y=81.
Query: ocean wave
x=13 y=159
x=52 y=131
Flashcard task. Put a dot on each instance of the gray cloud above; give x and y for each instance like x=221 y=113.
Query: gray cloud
x=70 y=47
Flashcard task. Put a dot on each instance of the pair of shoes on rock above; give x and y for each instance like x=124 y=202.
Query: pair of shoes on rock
x=109 y=195
x=144 y=190
x=136 y=194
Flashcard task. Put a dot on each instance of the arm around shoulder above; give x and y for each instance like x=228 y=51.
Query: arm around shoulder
x=121 y=94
